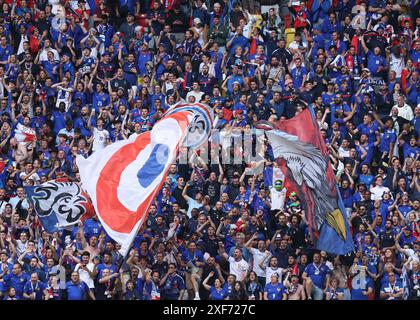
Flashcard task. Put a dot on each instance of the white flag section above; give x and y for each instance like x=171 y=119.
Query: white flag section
x=124 y=178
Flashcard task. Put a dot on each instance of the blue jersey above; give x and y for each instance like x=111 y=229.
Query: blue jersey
x=17 y=282
x=102 y=266
x=361 y=283
x=239 y=41
x=275 y=292
x=60 y=119
x=388 y=137
x=410 y=151
x=172 y=287
x=92 y=228
x=369 y=130
x=318 y=274
x=298 y=74
x=38 y=288
x=217 y=294
x=100 y=100
x=76 y=291
x=369 y=148
x=188 y=256
x=374 y=62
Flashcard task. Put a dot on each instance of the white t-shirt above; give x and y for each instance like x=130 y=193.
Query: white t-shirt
x=396 y=64
x=377 y=192
x=100 y=138
x=343 y=153
x=295 y=45
x=195 y=94
x=270 y=271
x=84 y=275
x=44 y=54
x=21 y=247
x=238 y=268
x=257 y=257
x=277 y=198
x=405 y=111
x=34 y=176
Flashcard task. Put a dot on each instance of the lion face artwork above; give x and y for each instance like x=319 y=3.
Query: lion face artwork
x=65 y=200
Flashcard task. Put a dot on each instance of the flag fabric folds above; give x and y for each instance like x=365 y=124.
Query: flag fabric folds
x=271 y=175
x=303 y=157
x=59 y=204
x=124 y=178
x=24 y=134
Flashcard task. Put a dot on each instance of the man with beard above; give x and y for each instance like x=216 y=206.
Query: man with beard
x=212 y=188
x=177 y=194
x=262 y=110
x=297 y=230
x=258 y=255
x=274 y=70
x=216 y=213
x=282 y=53
x=209 y=241
x=319 y=79
x=106 y=68
x=82 y=123
x=206 y=80
x=387 y=236
x=253 y=92
x=128 y=29
x=120 y=82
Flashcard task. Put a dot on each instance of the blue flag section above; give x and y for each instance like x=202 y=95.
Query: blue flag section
x=328 y=237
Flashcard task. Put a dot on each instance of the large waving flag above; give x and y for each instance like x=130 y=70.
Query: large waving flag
x=301 y=153
x=124 y=178
x=60 y=204
x=24 y=134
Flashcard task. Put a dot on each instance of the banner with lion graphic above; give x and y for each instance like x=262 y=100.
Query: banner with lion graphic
x=60 y=205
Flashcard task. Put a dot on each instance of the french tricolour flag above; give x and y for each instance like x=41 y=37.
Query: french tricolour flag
x=24 y=134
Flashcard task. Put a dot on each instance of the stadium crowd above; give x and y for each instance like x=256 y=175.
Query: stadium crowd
x=84 y=74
